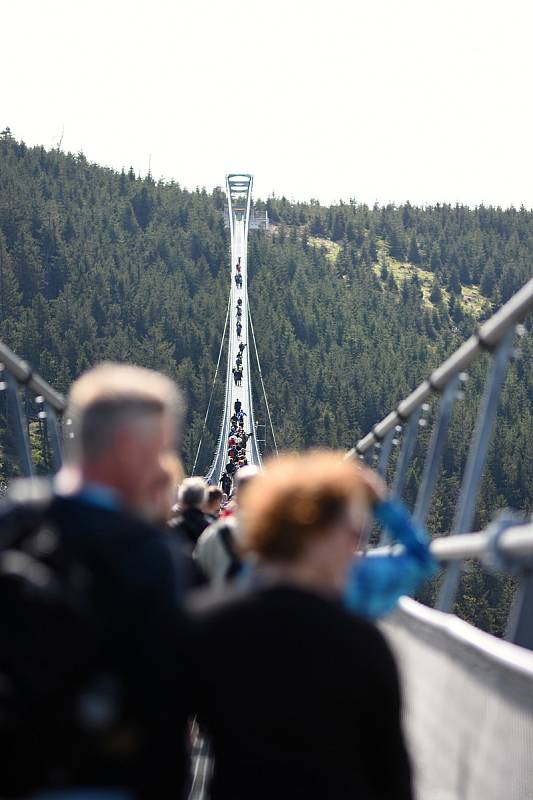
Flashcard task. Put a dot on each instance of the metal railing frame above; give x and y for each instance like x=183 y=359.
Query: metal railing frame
x=15 y=375
x=495 y=336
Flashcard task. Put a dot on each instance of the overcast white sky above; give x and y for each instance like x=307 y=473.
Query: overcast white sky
x=387 y=100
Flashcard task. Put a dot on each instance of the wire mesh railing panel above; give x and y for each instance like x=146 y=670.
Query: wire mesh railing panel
x=468 y=706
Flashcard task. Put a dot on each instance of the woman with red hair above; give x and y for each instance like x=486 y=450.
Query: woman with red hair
x=300 y=698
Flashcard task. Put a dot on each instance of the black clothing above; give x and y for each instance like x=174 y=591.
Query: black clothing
x=191 y=525
x=186 y=530
x=303 y=703
x=226 y=483
x=237 y=406
x=225 y=533
x=132 y=573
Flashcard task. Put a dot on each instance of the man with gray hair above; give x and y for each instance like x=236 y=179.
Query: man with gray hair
x=123 y=419
x=126 y=723
x=192 y=521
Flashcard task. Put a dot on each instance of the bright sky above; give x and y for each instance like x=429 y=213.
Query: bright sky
x=380 y=100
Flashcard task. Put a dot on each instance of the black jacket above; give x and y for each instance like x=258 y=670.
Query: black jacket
x=190 y=526
x=300 y=699
x=186 y=531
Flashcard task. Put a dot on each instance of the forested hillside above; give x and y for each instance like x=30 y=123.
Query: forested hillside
x=352 y=305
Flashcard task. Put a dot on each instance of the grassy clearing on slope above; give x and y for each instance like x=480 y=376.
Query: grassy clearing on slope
x=332 y=248
x=472 y=301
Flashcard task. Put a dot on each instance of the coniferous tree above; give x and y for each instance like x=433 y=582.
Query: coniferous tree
x=414 y=253
x=436 y=294
x=454 y=284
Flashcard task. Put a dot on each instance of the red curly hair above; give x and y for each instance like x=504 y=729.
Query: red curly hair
x=298 y=497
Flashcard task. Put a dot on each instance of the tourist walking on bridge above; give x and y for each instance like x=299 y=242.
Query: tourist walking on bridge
x=212 y=503
x=218 y=550
x=330 y=728
x=192 y=521
x=230 y=468
x=245 y=437
x=102 y=704
x=225 y=482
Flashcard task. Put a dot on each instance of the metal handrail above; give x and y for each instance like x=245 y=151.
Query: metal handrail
x=15 y=373
x=505 y=546
x=488 y=336
x=25 y=376
x=515 y=542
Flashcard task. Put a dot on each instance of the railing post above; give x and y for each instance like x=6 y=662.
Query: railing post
x=406 y=452
x=19 y=425
x=384 y=455
x=436 y=446
x=54 y=435
x=466 y=507
x=520 y=622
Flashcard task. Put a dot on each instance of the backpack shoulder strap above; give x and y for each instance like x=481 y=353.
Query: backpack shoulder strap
x=227 y=543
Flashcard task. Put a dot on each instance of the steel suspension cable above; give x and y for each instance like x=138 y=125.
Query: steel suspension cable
x=213 y=386
x=261 y=378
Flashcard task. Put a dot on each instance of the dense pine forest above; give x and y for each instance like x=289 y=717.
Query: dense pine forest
x=352 y=306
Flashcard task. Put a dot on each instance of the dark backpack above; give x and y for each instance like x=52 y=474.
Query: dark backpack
x=234 y=567
x=49 y=644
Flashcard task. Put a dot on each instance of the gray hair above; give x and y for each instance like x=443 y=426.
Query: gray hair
x=109 y=397
x=245 y=474
x=192 y=492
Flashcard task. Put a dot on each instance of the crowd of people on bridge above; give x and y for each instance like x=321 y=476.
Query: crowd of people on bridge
x=238 y=369
x=136 y=600
x=237 y=442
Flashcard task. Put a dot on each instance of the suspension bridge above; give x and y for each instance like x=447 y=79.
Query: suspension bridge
x=239 y=194
x=468 y=695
